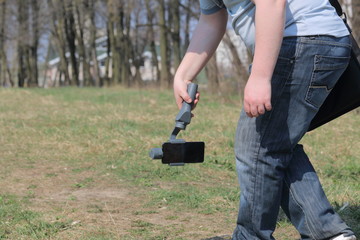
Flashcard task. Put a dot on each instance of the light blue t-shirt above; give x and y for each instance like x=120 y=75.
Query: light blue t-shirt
x=303 y=18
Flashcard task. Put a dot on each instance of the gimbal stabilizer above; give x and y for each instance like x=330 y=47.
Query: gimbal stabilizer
x=177 y=152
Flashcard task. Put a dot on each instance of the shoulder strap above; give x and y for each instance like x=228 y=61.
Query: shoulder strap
x=337 y=6
x=340 y=12
x=355 y=46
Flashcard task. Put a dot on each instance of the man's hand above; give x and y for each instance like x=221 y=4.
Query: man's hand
x=257 y=97
x=206 y=37
x=181 y=94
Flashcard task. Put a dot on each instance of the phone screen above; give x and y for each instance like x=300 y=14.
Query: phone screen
x=188 y=152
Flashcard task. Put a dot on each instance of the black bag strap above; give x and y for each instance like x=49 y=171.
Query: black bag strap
x=339 y=11
x=337 y=7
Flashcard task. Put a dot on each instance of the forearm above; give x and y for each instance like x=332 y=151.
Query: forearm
x=269 y=25
x=269 y=21
x=205 y=40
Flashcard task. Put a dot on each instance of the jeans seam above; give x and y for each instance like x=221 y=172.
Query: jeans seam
x=322 y=42
x=310 y=84
x=292 y=194
x=254 y=186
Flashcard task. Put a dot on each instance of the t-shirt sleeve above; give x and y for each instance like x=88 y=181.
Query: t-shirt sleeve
x=211 y=6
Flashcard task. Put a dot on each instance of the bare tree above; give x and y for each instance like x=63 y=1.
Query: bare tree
x=117 y=41
x=191 y=10
x=212 y=74
x=187 y=25
x=70 y=35
x=131 y=27
x=93 y=54
x=355 y=20
x=58 y=26
x=175 y=34
x=34 y=44
x=81 y=14
x=151 y=36
x=125 y=43
x=23 y=67
x=241 y=73
x=5 y=74
x=164 y=46
x=110 y=43
x=140 y=40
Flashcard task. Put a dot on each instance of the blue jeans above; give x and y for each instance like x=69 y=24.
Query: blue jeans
x=272 y=167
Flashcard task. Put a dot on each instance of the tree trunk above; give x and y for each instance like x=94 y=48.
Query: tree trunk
x=176 y=33
x=21 y=47
x=27 y=59
x=3 y=57
x=59 y=37
x=35 y=43
x=241 y=73
x=108 y=57
x=212 y=74
x=114 y=43
x=93 y=54
x=355 y=20
x=151 y=37
x=47 y=59
x=125 y=46
x=187 y=27
x=138 y=49
x=164 y=71
x=70 y=34
x=5 y=74
x=83 y=59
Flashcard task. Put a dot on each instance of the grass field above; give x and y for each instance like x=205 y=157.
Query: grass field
x=75 y=165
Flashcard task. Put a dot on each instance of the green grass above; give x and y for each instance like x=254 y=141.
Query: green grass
x=19 y=223
x=80 y=156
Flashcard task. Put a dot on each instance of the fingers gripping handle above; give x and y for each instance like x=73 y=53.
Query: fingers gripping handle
x=184 y=116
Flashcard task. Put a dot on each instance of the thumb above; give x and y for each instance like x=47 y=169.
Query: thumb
x=186 y=97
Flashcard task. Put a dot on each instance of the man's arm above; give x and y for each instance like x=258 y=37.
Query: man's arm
x=269 y=25
x=206 y=38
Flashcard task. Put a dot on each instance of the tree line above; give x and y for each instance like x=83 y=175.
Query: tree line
x=48 y=43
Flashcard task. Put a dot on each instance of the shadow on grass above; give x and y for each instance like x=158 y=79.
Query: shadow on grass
x=350 y=213
x=224 y=237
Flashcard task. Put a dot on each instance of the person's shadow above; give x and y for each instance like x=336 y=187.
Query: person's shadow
x=224 y=237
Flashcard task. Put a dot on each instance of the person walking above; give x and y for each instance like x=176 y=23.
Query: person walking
x=300 y=49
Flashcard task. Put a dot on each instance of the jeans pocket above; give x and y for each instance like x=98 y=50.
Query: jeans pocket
x=327 y=70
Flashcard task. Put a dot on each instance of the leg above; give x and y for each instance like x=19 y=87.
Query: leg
x=260 y=183
x=262 y=150
x=305 y=203
x=306 y=69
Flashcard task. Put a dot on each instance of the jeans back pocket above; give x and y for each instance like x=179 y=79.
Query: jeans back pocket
x=327 y=70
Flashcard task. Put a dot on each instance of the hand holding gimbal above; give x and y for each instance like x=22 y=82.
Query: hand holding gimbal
x=177 y=152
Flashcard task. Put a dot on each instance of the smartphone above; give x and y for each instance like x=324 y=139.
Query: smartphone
x=188 y=152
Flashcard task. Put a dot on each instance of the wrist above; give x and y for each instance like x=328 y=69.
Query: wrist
x=260 y=77
x=180 y=80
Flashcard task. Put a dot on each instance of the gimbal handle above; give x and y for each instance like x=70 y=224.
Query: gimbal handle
x=183 y=118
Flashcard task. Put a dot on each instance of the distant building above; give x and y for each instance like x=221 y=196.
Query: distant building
x=52 y=72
